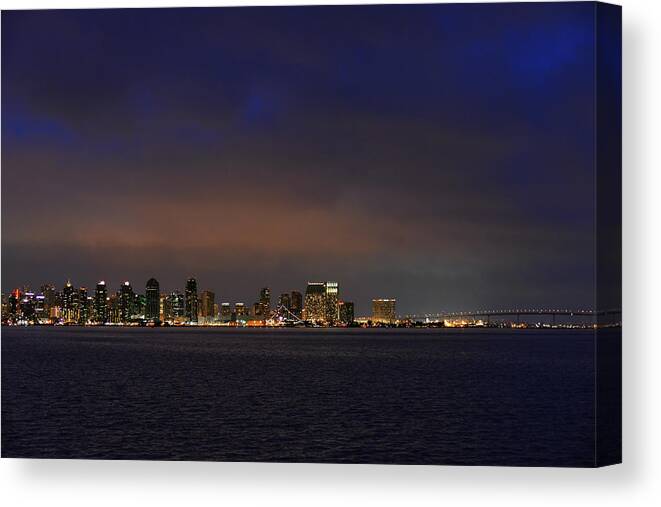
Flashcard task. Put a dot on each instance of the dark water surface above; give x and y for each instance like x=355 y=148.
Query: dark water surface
x=351 y=396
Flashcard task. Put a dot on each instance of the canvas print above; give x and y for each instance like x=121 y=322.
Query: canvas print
x=384 y=234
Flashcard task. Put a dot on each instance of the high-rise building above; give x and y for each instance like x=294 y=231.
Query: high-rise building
x=285 y=300
x=126 y=302
x=296 y=304
x=332 y=298
x=265 y=302
x=164 y=308
x=69 y=303
x=321 y=302
x=383 y=310
x=28 y=307
x=50 y=298
x=225 y=312
x=207 y=301
x=40 y=308
x=14 y=305
x=83 y=308
x=152 y=300
x=315 y=302
x=139 y=306
x=101 y=303
x=174 y=308
x=114 y=314
x=191 y=300
x=240 y=311
x=345 y=312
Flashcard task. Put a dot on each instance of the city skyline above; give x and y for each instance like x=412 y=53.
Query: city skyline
x=359 y=143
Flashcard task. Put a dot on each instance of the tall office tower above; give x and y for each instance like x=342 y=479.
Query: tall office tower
x=265 y=302
x=345 y=312
x=225 y=312
x=332 y=298
x=14 y=305
x=207 y=301
x=114 y=313
x=383 y=310
x=50 y=298
x=69 y=303
x=39 y=308
x=5 y=305
x=240 y=311
x=139 y=306
x=296 y=303
x=315 y=302
x=152 y=300
x=178 y=305
x=101 y=303
x=285 y=300
x=191 y=300
x=28 y=306
x=83 y=309
x=164 y=309
x=256 y=312
x=126 y=302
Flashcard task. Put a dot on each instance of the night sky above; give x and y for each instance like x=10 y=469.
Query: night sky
x=442 y=155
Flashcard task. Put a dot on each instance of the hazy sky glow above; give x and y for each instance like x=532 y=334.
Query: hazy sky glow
x=442 y=155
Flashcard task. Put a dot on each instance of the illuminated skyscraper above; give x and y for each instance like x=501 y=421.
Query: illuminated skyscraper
x=383 y=310
x=315 y=302
x=191 y=300
x=152 y=300
x=101 y=303
x=332 y=298
x=225 y=312
x=285 y=300
x=345 y=312
x=114 y=316
x=207 y=301
x=69 y=301
x=50 y=299
x=126 y=302
x=177 y=306
x=296 y=306
x=265 y=302
x=240 y=311
x=83 y=307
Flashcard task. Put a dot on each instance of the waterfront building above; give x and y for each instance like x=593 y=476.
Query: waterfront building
x=114 y=314
x=14 y=305
x=265 y=302
x=383 y=310
x=225 y=312
x=83 y=308
x=69 y=303
x=101 y=303
x=315 y=302
x=191 y=300
x=332 y=294
x=240 y=311
x=126 y=302
x=285 y=300
x=152 y=300
x=50 y=298
x=174 y=307
x=207 y=301
x=40 y=308
x=296 y=303
x=345 y=312
x=139 y=306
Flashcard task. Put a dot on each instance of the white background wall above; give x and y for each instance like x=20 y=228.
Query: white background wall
x=636 y=482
